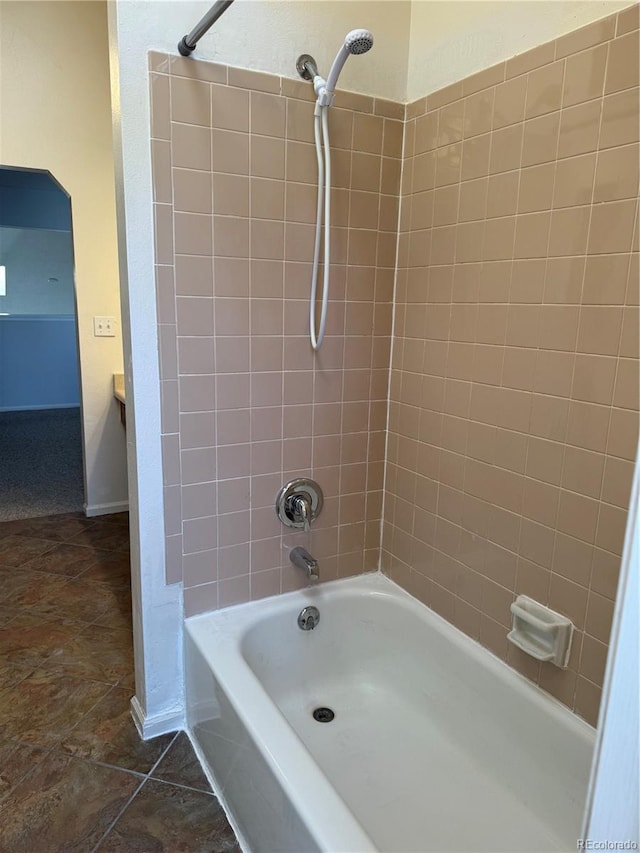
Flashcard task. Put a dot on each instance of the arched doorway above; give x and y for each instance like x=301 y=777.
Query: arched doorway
x=40 y=403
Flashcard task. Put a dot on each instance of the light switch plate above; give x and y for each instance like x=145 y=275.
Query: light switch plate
x=104 y=327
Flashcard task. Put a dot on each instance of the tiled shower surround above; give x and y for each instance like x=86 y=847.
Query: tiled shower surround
x=513 y=416
x=513 y=395
x=246 y=406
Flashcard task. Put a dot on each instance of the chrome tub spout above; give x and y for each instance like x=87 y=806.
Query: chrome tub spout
x=302 y=559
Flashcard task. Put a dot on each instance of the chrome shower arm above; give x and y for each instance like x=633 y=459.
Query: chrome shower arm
x=188 y=43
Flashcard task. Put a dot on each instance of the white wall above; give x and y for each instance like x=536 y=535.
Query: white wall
x=32 y=256
x=54 y=98
x=269 y=35
x=451 y=39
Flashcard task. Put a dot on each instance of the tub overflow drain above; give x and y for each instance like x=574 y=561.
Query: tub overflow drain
x=323 y=715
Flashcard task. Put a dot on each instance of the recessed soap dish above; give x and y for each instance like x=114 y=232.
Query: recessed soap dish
x=540 y=632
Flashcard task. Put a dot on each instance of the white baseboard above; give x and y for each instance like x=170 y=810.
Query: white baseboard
x=105 y=509
x=161 y=724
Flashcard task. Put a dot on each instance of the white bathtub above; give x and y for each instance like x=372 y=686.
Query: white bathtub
x=436 y=745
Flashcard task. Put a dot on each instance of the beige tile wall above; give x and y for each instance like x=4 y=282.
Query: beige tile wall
x=513 y=408
x=513 y=418
x=245 y=404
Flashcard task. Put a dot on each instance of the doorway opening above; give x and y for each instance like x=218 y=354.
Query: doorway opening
x=40 y=403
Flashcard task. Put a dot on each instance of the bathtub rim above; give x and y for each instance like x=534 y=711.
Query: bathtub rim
x=271 y=731
x=228 y=628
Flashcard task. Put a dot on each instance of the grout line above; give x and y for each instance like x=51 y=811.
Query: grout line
x=46 y=751
x=151 y=778
x=368 y=483
x=343 y=334
x=539 y=349
x=164 y=753
x=86 y=760
x=214 y=344
x=119 y=815
x=144 y=779
x=172 y=266
x=251 y=377
x=601 y=98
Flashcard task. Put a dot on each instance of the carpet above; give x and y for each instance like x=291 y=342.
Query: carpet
x=40 y=463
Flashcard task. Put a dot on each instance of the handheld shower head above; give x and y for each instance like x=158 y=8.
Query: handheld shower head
x=358 y=41
x=355 y=42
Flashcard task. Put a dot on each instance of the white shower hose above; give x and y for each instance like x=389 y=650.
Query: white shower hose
x=324 y=183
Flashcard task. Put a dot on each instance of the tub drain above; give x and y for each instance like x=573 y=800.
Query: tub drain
x=323 y=715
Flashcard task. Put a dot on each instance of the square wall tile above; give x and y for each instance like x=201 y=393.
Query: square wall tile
x=478 y=380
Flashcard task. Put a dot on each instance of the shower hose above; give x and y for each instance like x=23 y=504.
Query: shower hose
x=321 y=133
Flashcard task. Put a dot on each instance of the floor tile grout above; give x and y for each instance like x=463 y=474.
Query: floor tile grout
x=147 y=777
x=45 y=750
x=173 y=740
x=56 y=748
x=120 y=813
x=66 y=652
x=209 y=793
x=150 y=778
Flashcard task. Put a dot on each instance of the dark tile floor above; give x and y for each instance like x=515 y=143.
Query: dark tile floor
x=74 y=775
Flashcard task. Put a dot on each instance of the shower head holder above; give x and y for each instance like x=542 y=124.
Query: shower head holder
x=325 y=97
x=306 y=66
x=355 y=43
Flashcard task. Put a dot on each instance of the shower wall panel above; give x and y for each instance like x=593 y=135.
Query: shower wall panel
x=246 y=405
x=514 y=387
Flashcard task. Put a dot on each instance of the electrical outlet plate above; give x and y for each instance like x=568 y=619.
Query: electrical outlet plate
x=104 y=327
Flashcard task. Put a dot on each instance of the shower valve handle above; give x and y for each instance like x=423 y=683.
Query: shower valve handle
x=300 y=508
x=298 y=503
